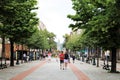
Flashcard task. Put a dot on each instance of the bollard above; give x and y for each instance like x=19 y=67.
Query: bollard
x=94 y=63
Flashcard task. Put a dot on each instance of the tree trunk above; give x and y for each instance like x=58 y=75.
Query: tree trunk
x=3 y=49
x=22 y=54
x=3 y=46
x=88 y=52
x=12 y=53
x=113 y=61
x=97 y=51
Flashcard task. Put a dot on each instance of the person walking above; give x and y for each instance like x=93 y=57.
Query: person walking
x=107 y=56
x=25 y=57
x=73 y=58
x=56 y=57
x=49 y=56
x=66 y=59
x=61 y=57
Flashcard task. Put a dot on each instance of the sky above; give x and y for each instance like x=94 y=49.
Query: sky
x=53 y=13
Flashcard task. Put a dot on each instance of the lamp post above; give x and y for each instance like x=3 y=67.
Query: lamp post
x=94 y=63
x=17 y=57
x=17 y=62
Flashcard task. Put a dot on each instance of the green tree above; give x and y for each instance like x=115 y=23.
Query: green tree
x=20 y=21
x=66 y=37
x=38 y=40
x=100 y=19
x=51 y=40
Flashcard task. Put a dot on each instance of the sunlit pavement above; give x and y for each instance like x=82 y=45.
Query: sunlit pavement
x=44 y=70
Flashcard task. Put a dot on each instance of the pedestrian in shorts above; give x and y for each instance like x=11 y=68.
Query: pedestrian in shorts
x=61 y=57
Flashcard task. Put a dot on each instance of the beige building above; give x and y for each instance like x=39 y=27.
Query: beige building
x=41 y=26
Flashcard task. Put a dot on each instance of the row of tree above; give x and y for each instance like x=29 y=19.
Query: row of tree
x=18 y=23
x=100 y=22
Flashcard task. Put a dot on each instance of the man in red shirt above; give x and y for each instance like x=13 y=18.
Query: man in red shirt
x=61 y=56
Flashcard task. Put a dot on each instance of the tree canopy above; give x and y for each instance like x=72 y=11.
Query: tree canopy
x=100 y=20
x=18 y=21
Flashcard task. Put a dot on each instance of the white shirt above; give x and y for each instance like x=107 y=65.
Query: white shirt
x=107 y=53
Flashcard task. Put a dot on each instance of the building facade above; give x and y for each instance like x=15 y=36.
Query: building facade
x=41 y=26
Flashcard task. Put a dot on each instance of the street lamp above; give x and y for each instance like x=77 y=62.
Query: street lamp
x=94 y=63
x=17 y=62
x=17 y=57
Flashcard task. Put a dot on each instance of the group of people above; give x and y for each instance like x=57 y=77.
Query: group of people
x=64 y=59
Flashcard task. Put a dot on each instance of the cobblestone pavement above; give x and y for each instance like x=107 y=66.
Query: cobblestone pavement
x=44 y=70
